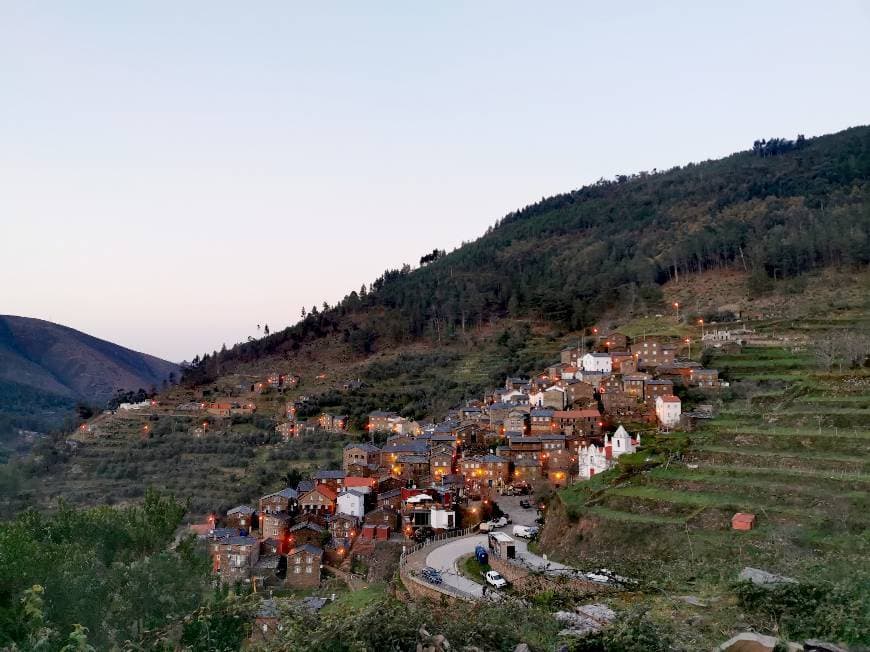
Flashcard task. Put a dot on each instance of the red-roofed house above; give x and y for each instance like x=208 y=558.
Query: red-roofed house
x=321 y=499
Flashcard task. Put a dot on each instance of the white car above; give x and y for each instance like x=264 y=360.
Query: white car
x=495 y=579
x=525 y=531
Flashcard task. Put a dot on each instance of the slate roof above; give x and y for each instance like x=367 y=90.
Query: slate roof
x=222 y=533
x=269 y=562
x=306 y=547
x=311 y=525
x=305 y=486
x=368 y=448
x=443 y=436
x=413 y=459
x=493 y=459
x=241 y=509
x=407 y=447
x=526 y=440
x=238 y=541
x=330 y=474
x=392 y=493
x=289 y=493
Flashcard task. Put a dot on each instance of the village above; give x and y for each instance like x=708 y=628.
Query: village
x=409 y=483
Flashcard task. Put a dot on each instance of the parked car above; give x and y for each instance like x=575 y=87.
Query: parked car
x=525 y=504
x=494 y=578
x=431 y=575
x=525 y=531
x=485 y=526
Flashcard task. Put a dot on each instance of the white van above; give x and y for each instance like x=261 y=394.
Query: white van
x=525 y=531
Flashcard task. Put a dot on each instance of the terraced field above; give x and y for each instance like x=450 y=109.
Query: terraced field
x=791 y=445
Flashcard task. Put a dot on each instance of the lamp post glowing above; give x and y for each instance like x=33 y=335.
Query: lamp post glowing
x=701 y=323
x=677 y=309
x=689 y=342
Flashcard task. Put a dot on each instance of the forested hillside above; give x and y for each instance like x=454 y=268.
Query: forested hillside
x=777 y=210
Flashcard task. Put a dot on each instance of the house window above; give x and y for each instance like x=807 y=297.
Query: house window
x=296 y=570
x=308 y=570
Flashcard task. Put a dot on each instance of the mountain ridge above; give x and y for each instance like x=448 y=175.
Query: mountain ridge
x=44 y=361
x=776 y=210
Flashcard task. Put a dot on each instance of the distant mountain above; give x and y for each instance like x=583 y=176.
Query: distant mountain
x=46 y=368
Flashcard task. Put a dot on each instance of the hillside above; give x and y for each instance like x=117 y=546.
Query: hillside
x=745 y=230
x=776 y=211
x=777 y=239
x=789 y=444
x=46 y=368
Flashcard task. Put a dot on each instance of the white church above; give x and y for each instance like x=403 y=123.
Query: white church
x=593 y=459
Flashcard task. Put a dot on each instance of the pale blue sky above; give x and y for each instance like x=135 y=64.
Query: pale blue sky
x=172 y=174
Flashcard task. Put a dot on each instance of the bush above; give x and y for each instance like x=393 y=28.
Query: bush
x=838 y=611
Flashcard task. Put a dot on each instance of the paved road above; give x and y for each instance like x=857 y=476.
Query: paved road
x=444 y=558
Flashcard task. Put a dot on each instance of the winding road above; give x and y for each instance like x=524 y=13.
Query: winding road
x=445 y=557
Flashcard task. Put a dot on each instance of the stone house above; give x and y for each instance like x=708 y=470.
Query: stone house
x=307 y=532
x=440 y=464
x=541 y=420
x=332 y=478
x=384 y=516
x=651 y=353
x=343 y=526
x=633 y=384
x=234 y=558
x=652 y=389
x=528 y=470
x=360 y=455
x=280 y=501
x=320 y=500
x=303 y=566
x=240 y=518
x=708 y=378
x=274 y=525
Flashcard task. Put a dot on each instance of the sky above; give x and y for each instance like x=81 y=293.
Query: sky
x=173 y=174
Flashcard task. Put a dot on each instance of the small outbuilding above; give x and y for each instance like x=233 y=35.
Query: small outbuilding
x=502 y=546
x=742 y=521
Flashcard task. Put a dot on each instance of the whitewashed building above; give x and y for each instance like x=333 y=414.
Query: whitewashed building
x=668 y=410
x=351 y=502
x=601 y=362
x=594 y=459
